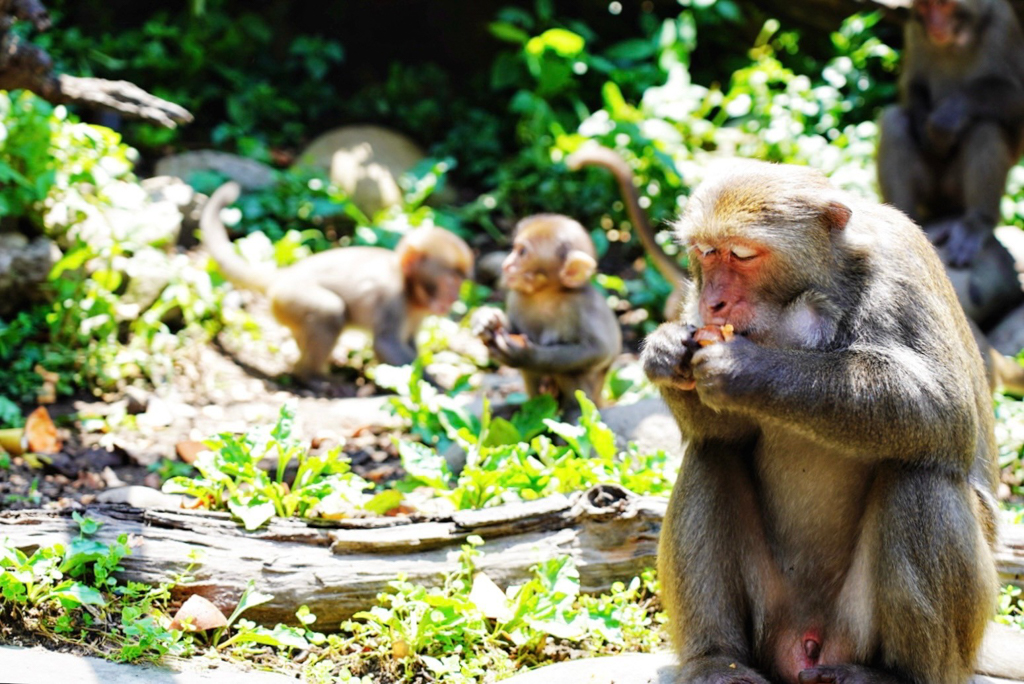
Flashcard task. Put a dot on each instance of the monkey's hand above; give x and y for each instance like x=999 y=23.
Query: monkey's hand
x=486 y=322
x=946 y=124
x=719 y=372
x=667 y=355
x=511 y=350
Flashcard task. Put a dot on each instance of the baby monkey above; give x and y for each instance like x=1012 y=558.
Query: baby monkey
x=386 y=292
x=557 y=329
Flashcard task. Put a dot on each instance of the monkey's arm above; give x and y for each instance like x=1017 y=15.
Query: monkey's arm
x=390 y=345
x=553 y=358
x=991 y=98
x=886 y=402
x=666 y=359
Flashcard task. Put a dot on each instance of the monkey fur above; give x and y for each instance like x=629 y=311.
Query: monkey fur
x=945 y=151
x=557 y=329
x=833 y=519
x=386 y=292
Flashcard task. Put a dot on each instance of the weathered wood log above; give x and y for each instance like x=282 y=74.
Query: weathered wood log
x=338 y=568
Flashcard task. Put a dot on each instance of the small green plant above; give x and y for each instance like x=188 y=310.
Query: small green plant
x=514 y=459
x=69 y=591
x=1011 y=607
x=230 y=477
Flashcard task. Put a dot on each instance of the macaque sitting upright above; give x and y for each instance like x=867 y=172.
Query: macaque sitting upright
x=944 y=152
x=558 y=331
x=386 y=292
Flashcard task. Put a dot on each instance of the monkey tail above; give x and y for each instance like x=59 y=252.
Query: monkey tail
x=215 y=238
x=1002 y=653
x=1009 y=374
x=596 y=155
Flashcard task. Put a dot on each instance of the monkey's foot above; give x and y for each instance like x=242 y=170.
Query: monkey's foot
x=845 y=674
x=963 y=240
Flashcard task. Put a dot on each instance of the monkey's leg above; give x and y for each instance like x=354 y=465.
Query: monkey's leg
x=711 y=541
x=925 y=586
x=904 y=177
x=979 y=171
x=316 y=316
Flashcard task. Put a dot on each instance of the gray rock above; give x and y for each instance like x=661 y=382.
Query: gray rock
x=24 y=267
x=633 y=668
x=249 y=173
x=648 y=422
x=39 y=666
x=365 y=162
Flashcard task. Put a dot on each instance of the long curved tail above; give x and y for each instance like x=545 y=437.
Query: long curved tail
x=214 y=237
x=596 y=155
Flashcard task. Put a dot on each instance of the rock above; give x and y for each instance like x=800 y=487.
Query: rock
x=24 y=268
x=137 y=399
x=365 y=162
x=359 y=413
x=648 y=422
x=633 y=668
x=148 y=272
x=175 y=191
x=140 y=497
x=249 y=173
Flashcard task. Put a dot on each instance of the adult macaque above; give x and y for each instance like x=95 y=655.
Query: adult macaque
x=596 y=155
x=833 y=518
x=945 y=151
x=386 y=292
x=557 y=328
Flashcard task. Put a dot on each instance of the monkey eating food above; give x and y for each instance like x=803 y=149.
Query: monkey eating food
x=557 y=328
x=386 y=292
x=833 y=519
x=945 y=151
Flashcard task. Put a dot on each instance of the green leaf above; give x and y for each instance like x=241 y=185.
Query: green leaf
x=253 y=513
x=500 y=432
x=79 y=594
x=424 y=464
x=250 y=599
x=529 y=419
x=384 y=502
x=508 y=32
x=565 y=43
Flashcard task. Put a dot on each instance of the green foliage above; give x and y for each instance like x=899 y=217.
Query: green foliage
x=515 y=459
x=1010 y=439
x=1011 y=607
x=226 y=65
x=70 y=592
x=230 y=476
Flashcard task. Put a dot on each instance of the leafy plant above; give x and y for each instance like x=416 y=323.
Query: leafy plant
x=69 y=591
x=230 y=477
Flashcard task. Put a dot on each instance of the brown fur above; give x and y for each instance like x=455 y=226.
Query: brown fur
x=946 y=149
x=833 y=518
x=569 y=334
x=386 y=292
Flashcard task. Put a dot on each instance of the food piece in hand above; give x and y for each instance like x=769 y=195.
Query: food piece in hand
x=712 y=334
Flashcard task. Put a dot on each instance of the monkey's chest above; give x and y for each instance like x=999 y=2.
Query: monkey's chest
x=812 y=500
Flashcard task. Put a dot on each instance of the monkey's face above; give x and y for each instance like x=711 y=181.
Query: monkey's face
x=438 y=285
x=732 y=276
x=945 y=22
x=550 y=253
x=526 y=269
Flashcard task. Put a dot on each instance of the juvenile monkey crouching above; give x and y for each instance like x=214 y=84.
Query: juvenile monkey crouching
x=556 y=329
x=832 y=517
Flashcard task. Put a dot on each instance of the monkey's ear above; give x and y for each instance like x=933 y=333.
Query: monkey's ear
x=837 y=215
x=408 y=257
x=577 y=269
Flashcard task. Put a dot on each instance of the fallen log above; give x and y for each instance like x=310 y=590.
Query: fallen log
x=338 y=568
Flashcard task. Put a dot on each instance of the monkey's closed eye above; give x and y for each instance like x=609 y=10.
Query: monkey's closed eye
x=704 y=249
x=743 y=253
